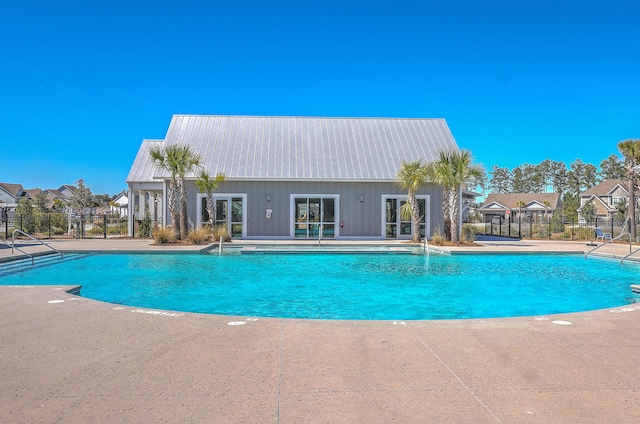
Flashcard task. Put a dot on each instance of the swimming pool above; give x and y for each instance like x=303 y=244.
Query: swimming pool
x=339 y=286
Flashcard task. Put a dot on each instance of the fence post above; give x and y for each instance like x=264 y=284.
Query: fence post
x=49 y=219
x=520 y=225
x=612 y=219
x=105 y=225
x=549 y=226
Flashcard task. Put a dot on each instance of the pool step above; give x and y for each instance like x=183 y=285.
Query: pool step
x=253 y=250
x=24 y=263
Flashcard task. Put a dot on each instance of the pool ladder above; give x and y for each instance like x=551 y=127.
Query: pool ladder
x=611 y=240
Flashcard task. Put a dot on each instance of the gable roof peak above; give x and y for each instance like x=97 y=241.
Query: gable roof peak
x=305 y=148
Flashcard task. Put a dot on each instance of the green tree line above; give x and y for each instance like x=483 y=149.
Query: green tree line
x=551 y=176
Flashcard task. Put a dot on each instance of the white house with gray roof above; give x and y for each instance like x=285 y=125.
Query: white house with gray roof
x=291 y=177
x=10 y=194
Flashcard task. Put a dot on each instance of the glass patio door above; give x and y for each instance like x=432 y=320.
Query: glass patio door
x=398 y=226
x=312 y=215
x=229 y=213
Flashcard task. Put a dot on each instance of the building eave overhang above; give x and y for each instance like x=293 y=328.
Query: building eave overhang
x=315 y=180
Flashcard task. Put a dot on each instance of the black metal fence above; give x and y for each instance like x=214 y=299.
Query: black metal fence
x=65 y=226
x=103 y=226
x=550 y=228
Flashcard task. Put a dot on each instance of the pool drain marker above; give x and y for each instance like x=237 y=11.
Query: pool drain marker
x=561 y=322
x=167 y=314
x=56 y=301
x=626 y=309
x=236 y=323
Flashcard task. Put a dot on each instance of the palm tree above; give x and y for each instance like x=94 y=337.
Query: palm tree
x=412 y=176
x=519 y=204
x=631 y=151
x=452 y=169
x=58 y=205
x=208 y=185
x=546 y=208
x=178 y=161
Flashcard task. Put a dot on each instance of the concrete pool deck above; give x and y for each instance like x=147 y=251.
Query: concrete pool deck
x=68 y=359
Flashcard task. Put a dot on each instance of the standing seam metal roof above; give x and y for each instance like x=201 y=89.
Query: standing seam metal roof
x=312 y=148
x=143 y=169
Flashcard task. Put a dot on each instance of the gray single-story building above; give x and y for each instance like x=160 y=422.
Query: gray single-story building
x=293 y=177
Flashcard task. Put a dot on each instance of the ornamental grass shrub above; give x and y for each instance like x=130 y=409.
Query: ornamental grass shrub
x=200 y=235
x=164 y=235
x=437 y=238
x=468 y=234
x=221 y=231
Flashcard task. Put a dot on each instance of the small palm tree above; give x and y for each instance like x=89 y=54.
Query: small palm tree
x=631 y=151
x=546 y=208
x=452 y=169
x=519 y=204
x=178 y=161
x=208 y=185
x=58 y=205
x=412 y=176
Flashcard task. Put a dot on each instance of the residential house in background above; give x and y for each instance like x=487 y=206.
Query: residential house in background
x=298 y=177
x=57 y=197
x=120 y=204
x=512 y=206
x=10 y=194
x=66 y=190
x=606 y=196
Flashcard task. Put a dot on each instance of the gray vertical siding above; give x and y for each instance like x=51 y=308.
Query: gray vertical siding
x=361 y=219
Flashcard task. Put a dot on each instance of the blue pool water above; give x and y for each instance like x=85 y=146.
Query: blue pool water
x=354 y=286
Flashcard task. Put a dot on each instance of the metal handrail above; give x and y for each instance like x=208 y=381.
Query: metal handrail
x=632 y=253
x=623 y=233
x=13 y=244
x=15 y=247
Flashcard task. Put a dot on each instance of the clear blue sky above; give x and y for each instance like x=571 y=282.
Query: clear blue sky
x=83 y=82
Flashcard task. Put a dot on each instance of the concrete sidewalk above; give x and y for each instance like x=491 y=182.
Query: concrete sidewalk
x=68 y=359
